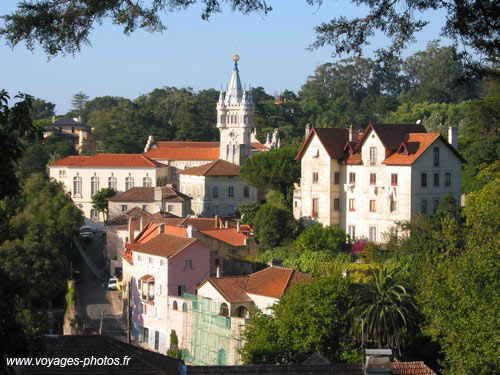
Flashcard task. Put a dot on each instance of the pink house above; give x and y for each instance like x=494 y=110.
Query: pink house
x=164 y=267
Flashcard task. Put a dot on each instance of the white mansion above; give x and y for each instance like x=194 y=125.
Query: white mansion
x=208 y=172
x=365 y=182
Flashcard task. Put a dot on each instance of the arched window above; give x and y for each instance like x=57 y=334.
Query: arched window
x=224 y=310
x=112 y=183
x=242 y=312
x=94 y=185
x=129 y=183
x=146 y=182
x=174 y=305
x=221 y=357
x=77 y=186
x=184 y=307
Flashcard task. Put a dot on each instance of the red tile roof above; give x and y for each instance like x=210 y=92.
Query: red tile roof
x=227 y=235
x=259 y=146
x=165 y=245
x=269 y=282
x=332 y=139
x=215 y=168
x=414 y=145
x=108 y=160
x=133 y=213
x=147 y=194
x=391 y=135
x=198 y=223
x=148 y=278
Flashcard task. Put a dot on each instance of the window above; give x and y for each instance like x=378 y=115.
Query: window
x=230 y=191
x=447 y=179
x=230 y=210
x=62 y=173
x=162 y=263
x=315 y=208
x=373 y=206
x=436 y=179
x=393 y=206
x=150 y=260
x=373 y=156
x=423 y=180
x=77 y=186
x=156 y=316
x=145 y=207
x=184 y=307
x=188 y=264
x=246 y=191
x=129 y=183
x=93 y=213
x=336 y=178
x=94 y=185
x=352 y=178
x=124 y=208
x=181 y=289
x=145 y=333
x=352 y=205
x=139 y=259
x=373 y=179
x=336 y=204
x=215 y=191
x=394 y=179
x=352 y=231
x=112 y=183
x=315 y=177
x=224 y=310
x=435 y=205
x=436 y=156
x=73 y=129
x=174 y=305
x=170 y=208
x=146 y=182
x=372 y=234
x=215 y=210
x=423 y=206
x=242 y=312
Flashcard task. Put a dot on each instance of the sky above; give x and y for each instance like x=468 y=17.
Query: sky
x=190 y=53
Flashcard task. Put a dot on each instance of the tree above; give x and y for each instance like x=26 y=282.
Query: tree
x=78 y=101
x=173 y=350
x=247 y=212
x=42 y=109
x=385 y=311
x=100 y=200
x=473 y=24
x=277 y=170
x=310 y=317
x=15 y=125
x=273 y=226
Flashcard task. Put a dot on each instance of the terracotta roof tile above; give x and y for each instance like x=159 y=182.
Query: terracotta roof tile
x=109 y=160
x=259 y=146
x=227 y=235
x=198 y=223
x=414 y=145
x=269 y=282
x=148 y=278
x=332 y=139
x=177 y=153
x=391 y=135
x=134 y=213
x=147 y=194
x=165 y=245
x=215 y=168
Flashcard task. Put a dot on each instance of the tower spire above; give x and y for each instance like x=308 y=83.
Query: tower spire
x=235 y=90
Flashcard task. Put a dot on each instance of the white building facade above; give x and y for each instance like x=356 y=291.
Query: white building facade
x=391 y=173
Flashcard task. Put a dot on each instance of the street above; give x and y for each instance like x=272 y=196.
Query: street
x=96 y=303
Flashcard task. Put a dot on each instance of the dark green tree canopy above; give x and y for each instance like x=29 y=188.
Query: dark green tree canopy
x=64 y=26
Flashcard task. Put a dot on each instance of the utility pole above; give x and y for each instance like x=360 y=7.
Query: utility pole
x=129 y=295
x=102 y=318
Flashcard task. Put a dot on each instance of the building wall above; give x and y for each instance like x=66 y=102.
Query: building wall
x=66 y=175
x=204 y=204
x=180 y=209
x=262 y=302
x=449 y=163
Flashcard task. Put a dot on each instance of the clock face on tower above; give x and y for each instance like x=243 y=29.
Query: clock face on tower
x=232 y=135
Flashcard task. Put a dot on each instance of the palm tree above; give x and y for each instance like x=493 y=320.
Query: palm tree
x=385 y=311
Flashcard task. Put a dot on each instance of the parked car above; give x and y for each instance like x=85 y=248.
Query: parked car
x=87 y=229
x=113 y=283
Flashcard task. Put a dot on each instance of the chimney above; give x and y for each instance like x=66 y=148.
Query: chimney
x=141 y=223
x=158 y=198
x=238 y=225
x=226 y=224
x=53 y=119
x=161 y=228
x=80 y=119
x=308 y=129
x=378 y=362
x=274 y=263
x=190 y=231
x=352 y=136
x=216 y=218
x=453 y=136
x=217 y=272
x=131 y=234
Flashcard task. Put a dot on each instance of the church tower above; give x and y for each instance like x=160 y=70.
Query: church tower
x=235 y=121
